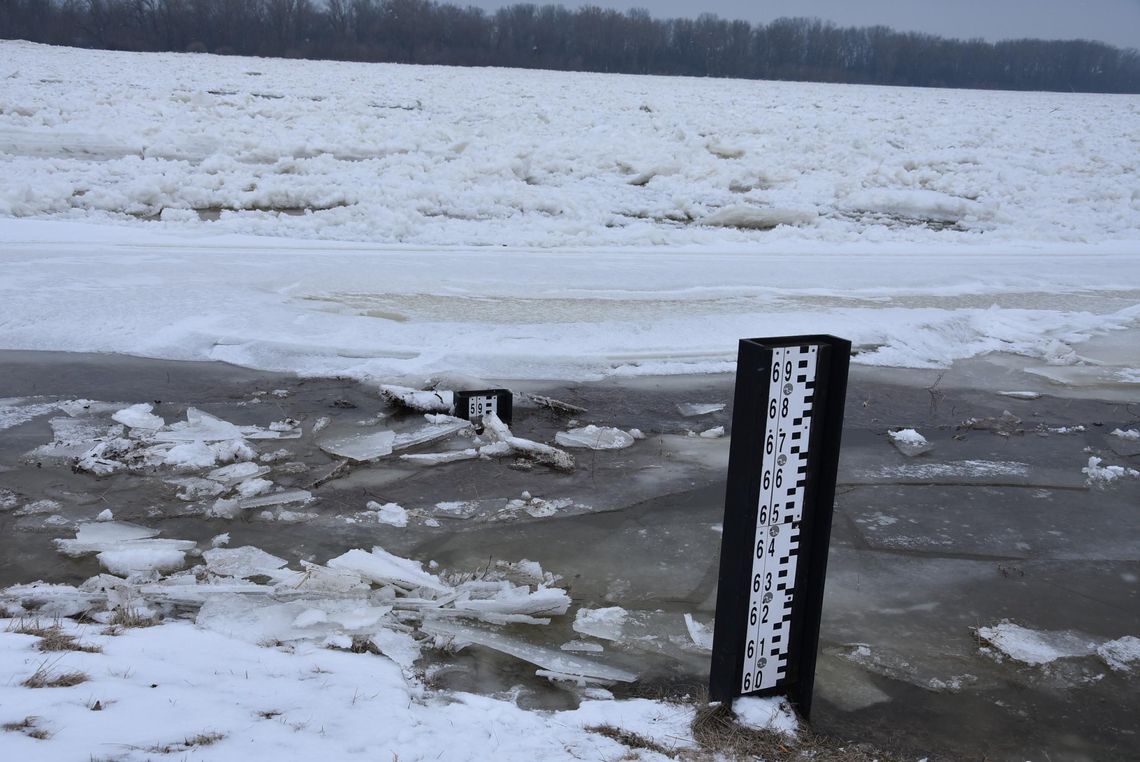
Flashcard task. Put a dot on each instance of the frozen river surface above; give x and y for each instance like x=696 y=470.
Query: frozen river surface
x=996 y=522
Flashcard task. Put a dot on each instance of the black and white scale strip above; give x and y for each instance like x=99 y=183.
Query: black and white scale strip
x=776 y=545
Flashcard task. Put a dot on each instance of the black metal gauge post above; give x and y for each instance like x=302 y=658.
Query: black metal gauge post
x=473 y=405
x=786 y=425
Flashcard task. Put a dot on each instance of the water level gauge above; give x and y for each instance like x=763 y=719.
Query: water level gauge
x=786 y=426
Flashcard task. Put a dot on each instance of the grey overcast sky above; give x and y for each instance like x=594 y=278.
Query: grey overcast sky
x=1116 y=22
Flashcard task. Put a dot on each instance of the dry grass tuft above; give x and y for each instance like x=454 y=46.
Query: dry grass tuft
x=29 y=727
x=52 y=637
x=631 y=739
x=126 y=616
x=43 y=677
x=715 y=728
x=193 y=742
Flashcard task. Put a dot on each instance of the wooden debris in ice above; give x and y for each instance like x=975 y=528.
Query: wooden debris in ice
x=564 y=665
x=595 y=438
x=432 y=401
x=361 y=448
x=498 y=431
x=551 y=404
x=693 y=409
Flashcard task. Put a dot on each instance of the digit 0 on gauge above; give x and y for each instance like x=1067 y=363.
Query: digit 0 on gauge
x=786 y=425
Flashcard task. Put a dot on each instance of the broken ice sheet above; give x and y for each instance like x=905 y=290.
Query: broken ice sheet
x=604 y=623
x=693 y=409
x=383 y=567
x=236 y=472
x=389 y=513
x=361 y=448
x=244 y=562
x=139 y=417
x=94 y=537
x=277 y=498
x=545 y=658
x=438 y=458
x=700 y=634
x=595 y=438
x=1036 y=647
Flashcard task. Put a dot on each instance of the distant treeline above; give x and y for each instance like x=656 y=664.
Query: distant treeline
x=587 y=39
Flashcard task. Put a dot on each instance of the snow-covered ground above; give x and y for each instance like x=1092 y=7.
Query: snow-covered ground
x=548 y=225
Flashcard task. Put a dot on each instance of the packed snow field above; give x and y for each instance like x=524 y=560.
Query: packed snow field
x=521 y=224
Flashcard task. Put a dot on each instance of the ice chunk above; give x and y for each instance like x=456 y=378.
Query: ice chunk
x=1022 y=395
x=361 y=448
x=200 y=426
x=253 y=487
x=105 y=515
x=432 y=401
x=278 y=498
x=139 y=417
x=714 y=433
x=72 y=437
x=400 y=647
x=909 y=442
x=320 y=579
x=243 y=562
x=94 y=537
x=754 y=218
x=1121 y=654
x=700 y=634
x=389 y=513
x=456 y=509
x=442 y=428
x=519 y=600
x=692 y=409
x=142 y=557
x=545 y=658
x=232 y=474
x=1099 y=475
x=436 y=458
x=383 y=567
x=201 y=454
x=594 y=438
x=604 y=623
x=1131 y=435
x=194 y=487
x=1034 y=647
x=583 y=646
